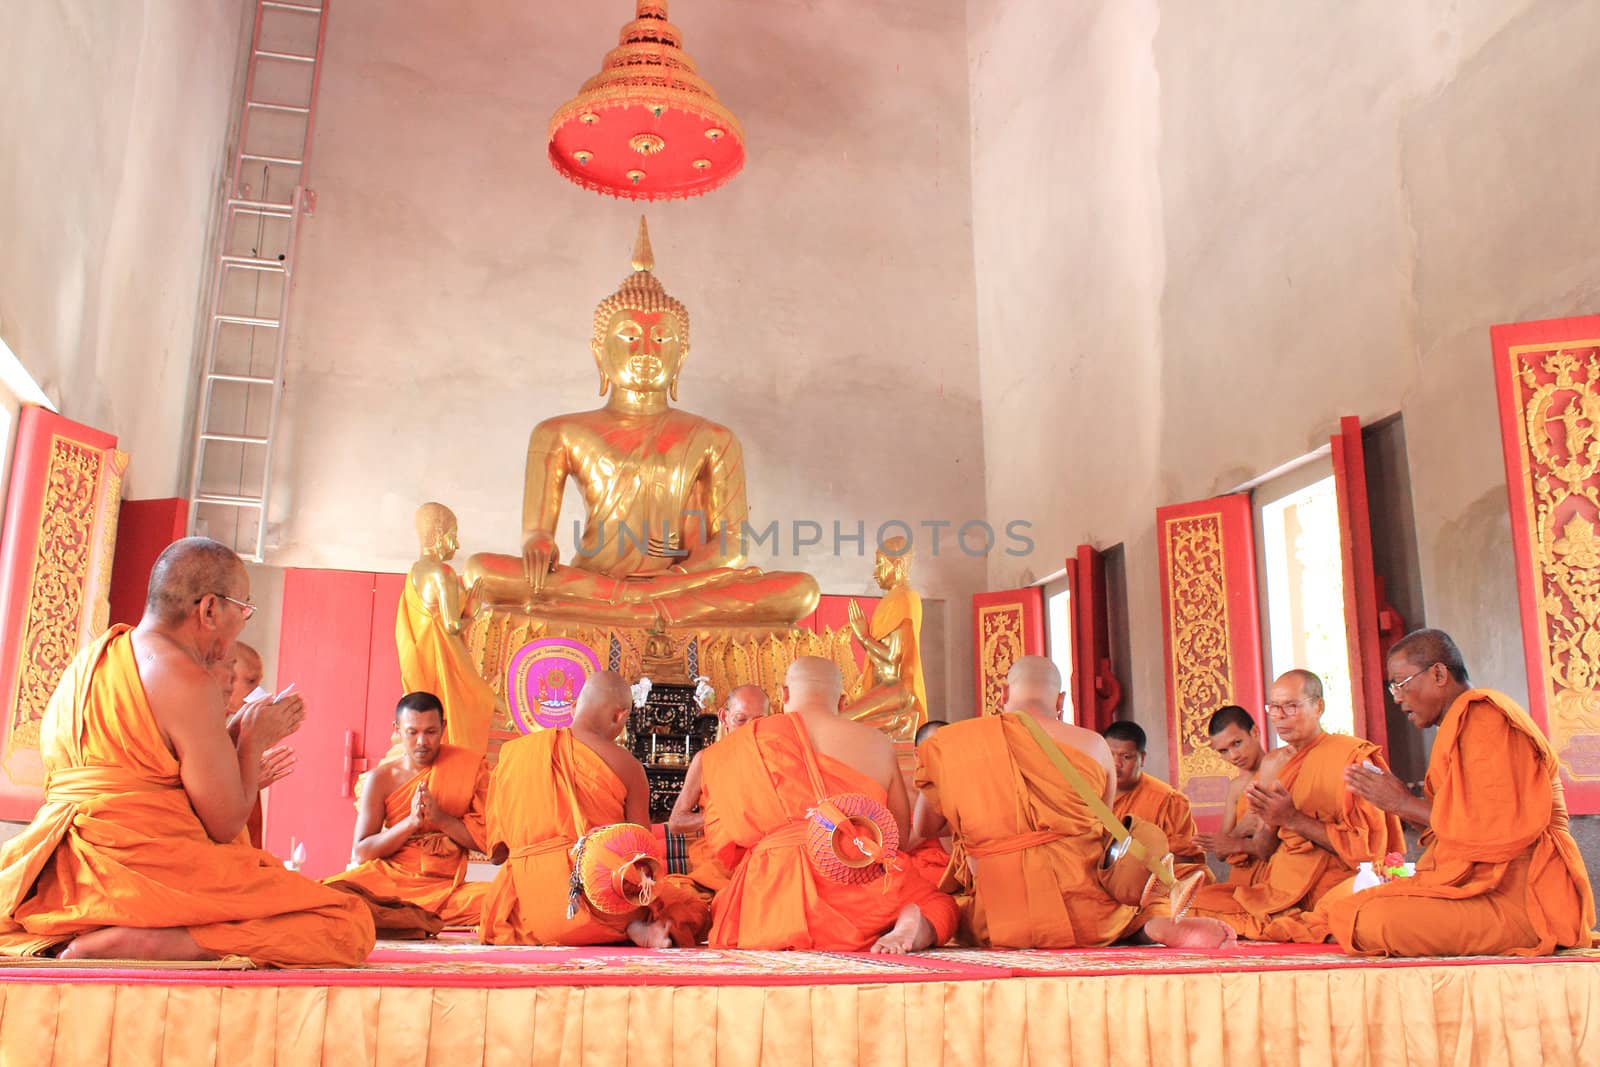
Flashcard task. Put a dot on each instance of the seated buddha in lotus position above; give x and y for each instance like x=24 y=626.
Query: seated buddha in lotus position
x=663 y=491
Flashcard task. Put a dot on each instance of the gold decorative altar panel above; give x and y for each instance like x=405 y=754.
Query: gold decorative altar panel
x=1548 y=376
x=55 y=579
x=1210 y=632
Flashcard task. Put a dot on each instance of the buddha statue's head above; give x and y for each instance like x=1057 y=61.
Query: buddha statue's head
x=641 y=335
x=893 y=565
x=436 y=531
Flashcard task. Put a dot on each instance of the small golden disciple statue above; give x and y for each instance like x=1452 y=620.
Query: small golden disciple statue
x=427 y=634
x=663 y=491
x=890 y=694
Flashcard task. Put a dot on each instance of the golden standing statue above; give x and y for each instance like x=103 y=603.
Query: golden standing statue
x=427 y=634
x=663 y=491
x=890 y=693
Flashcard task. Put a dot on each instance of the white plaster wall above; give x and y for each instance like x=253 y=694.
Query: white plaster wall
x=114 y=124
x=1347 y=195
x=447 y=282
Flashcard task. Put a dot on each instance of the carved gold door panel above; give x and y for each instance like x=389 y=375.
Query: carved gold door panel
x=55 y=576
x=1548 y=378
x=1211 y=635
x=1006 y=626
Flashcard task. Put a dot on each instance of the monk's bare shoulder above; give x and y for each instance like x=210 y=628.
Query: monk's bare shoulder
x=386 y=778
x=180 y=691
x=1271 y=764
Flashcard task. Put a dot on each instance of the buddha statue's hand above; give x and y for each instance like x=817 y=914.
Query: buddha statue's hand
x=539 y=556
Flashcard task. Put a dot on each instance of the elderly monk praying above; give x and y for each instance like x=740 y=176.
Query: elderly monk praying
x=1025 y=843
x=1151 y=799
x=758 y=788
x=746 y=703
x=137 y=852
x=548 y=790
x=1314 y=831
x=1242 y=841
x=1500 y=873
x=421 y=818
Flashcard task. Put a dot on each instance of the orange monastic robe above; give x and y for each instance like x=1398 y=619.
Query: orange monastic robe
x=117 y=842
x=756 y=794
x=548 y=789
x=1156 y=802
x=1500 y=873
x=1274 y=906
x=436 y=662
x=430 y=869
x=1034 y=842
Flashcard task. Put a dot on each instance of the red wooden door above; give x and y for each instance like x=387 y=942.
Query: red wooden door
x=337 y=646
x=1211 y=634
x=1362 y=607
x=1547 y=375
x=1096 y=692
x=55 y=564
x=1006 y=626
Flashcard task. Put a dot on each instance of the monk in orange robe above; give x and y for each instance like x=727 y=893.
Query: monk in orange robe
x=1025 y=843
x=1319 y=831
x=758 y=788
x=1499 y=873
x=1150 y=799
x=929 y=854
x=745 y=704
x=239 y=677
x=138 y=850
x=548 y=790
x=421 y=818
x=1234 y=736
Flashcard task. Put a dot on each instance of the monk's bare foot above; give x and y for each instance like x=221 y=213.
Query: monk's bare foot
x=133 y=943
x=649 y=935
x=1191 y=932
x=911 y=932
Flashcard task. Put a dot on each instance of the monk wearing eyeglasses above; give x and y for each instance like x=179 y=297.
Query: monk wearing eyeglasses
x=1316 y=831
x=1500 y=873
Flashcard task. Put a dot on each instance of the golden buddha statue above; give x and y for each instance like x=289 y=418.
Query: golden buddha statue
x=890 y=694
x=663 y=491
x=427 y=634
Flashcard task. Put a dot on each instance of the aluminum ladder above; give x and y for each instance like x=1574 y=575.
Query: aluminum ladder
x=242 y=365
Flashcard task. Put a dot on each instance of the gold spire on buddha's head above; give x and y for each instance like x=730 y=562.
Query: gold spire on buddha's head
x=639 y=292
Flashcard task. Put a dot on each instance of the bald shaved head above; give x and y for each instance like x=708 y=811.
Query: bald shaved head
x=745 y=703
x=605 y=699
x=1033 y=684
x=813 y=680
x=187 y=571
x=246 y=656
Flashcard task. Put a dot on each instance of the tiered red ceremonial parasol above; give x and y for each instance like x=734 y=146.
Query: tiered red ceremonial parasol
x=647 y=127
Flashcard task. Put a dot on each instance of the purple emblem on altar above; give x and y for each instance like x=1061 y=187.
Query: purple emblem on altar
x=544 y=680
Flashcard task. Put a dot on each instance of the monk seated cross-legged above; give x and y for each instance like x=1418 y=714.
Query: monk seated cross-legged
x=421 y=818
x=1025 y=842
x=760 y=783
x=548 y=790
x=929 y=853
x=1500 y=873
x=138 y=851
x=1242 y=841
x=1149 y=798
x=1318 y=831
x=746 y=703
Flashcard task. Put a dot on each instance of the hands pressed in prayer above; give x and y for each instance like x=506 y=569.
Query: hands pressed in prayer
x=1271 y=803
x=1381 y=788
x=276 y=763
x=268 y=722
x=1384 y=791
x=426 y=808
